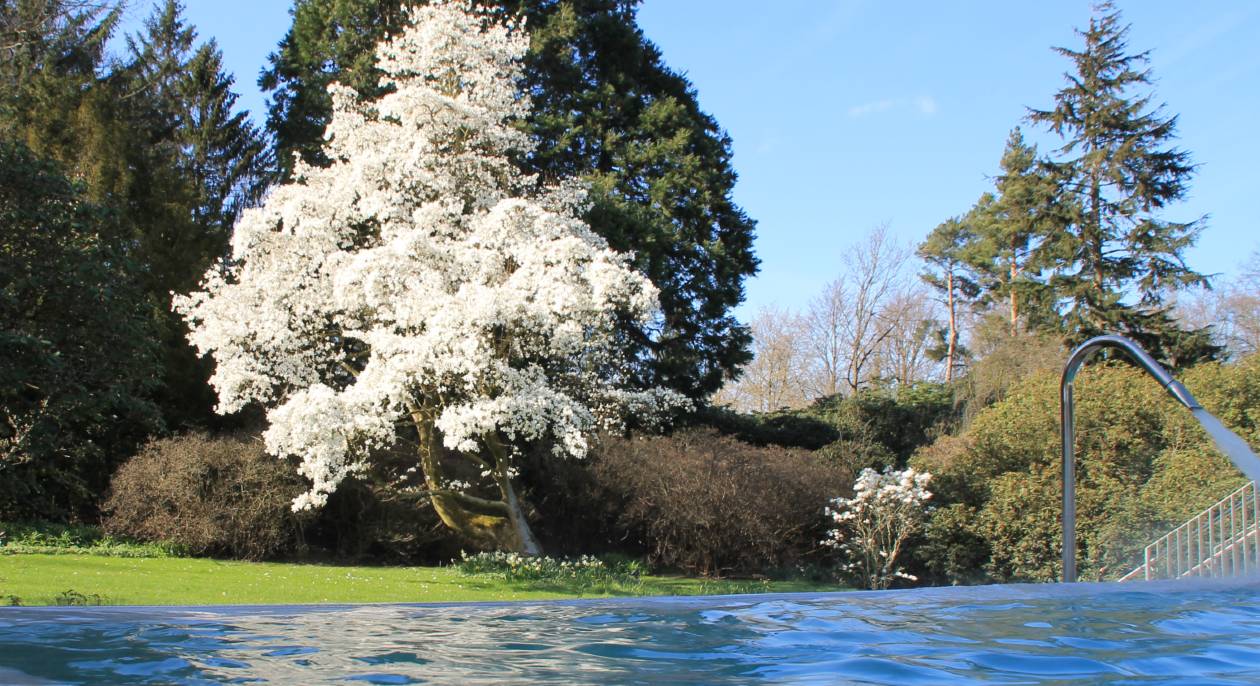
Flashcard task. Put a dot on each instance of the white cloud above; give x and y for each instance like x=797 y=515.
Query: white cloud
x=924 y=104
x=871 y=108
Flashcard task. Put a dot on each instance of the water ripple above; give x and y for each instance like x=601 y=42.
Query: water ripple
x=1205 y=633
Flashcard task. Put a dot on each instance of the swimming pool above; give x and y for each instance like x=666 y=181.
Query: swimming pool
x=1202 y=632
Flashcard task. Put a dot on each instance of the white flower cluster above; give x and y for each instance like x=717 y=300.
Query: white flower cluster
x=516 y=567
x=871 y=527
x=422 y=267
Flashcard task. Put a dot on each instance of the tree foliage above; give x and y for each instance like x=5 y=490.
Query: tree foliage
x=153 y=135
x=1116 y=172
x=422 y=278
x=1144 y=466
x=76 y=344
x=605 y=109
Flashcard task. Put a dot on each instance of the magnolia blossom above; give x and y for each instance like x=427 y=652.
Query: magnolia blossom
x=871 y=527
x=422 y=274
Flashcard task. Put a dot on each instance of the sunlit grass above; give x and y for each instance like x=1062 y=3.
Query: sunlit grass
x=75 y=579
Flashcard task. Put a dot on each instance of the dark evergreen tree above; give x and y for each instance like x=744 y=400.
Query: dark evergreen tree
x=76 y=344
x=54 y=90
x=1118 y=170
x=606 y=108
x=199 y=162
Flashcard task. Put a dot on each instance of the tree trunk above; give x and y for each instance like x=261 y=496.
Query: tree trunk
x=953 y=329
x=1014 y=299
x=489 y=524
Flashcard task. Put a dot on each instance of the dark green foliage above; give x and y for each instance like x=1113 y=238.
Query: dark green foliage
x=1116 y=171
x=786 y=429
x=199 y=162
x=1010 y=229
x=153 y=137
x=606 y=109
x=882 y=427
x=76 y=344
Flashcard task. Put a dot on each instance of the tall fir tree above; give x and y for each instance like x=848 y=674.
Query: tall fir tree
x=56 y=96
x=1118 y=168
x=153 y=136
x=606 y=109
x=200 y=162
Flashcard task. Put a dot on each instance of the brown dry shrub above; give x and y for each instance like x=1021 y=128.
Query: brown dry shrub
x=710 y=504
x=213 y=495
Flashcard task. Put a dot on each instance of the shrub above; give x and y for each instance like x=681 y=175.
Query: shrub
x=872 y=527
x=708 y=503
x=211 y=495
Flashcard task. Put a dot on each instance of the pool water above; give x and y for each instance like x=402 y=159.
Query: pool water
x=1202 y=632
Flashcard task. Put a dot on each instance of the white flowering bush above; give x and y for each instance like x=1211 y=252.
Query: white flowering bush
x=871 y=527
x=584 y=570
x=423 y=278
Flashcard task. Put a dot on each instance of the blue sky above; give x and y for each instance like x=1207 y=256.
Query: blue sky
x=848 y=114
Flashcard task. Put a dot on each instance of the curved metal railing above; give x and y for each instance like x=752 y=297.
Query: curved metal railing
x=1076 y=360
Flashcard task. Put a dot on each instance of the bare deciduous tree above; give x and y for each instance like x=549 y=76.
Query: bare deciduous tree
x=825 y=344
x=874 y=273
x=1232 y=310
x=904 y=357
x=774 y=378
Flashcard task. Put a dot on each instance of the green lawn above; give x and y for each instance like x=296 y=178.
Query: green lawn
x=47 y=579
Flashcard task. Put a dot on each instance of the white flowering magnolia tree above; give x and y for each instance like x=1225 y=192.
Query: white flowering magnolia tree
x=871 y=527
x=423 y=280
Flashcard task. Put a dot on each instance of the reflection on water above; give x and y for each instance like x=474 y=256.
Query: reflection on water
x=1170 y=632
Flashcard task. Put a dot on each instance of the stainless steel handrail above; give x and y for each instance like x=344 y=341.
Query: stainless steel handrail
x=1076 y=360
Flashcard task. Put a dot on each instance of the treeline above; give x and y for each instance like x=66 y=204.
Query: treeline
x=1068 y=244
x=122 y=177
x=142 y=161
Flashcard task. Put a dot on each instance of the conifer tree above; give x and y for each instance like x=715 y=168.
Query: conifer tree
x=1118 y=169
x=945 y=251
x=200 y=160
x=1010 y=231
x=607 y=109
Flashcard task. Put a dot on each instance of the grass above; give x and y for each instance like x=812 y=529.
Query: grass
x=89 y=579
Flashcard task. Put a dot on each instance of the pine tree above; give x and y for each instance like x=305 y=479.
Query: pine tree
x=606 y=109
x=945 y=251
x=1118 y=170
x=1010 y=230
